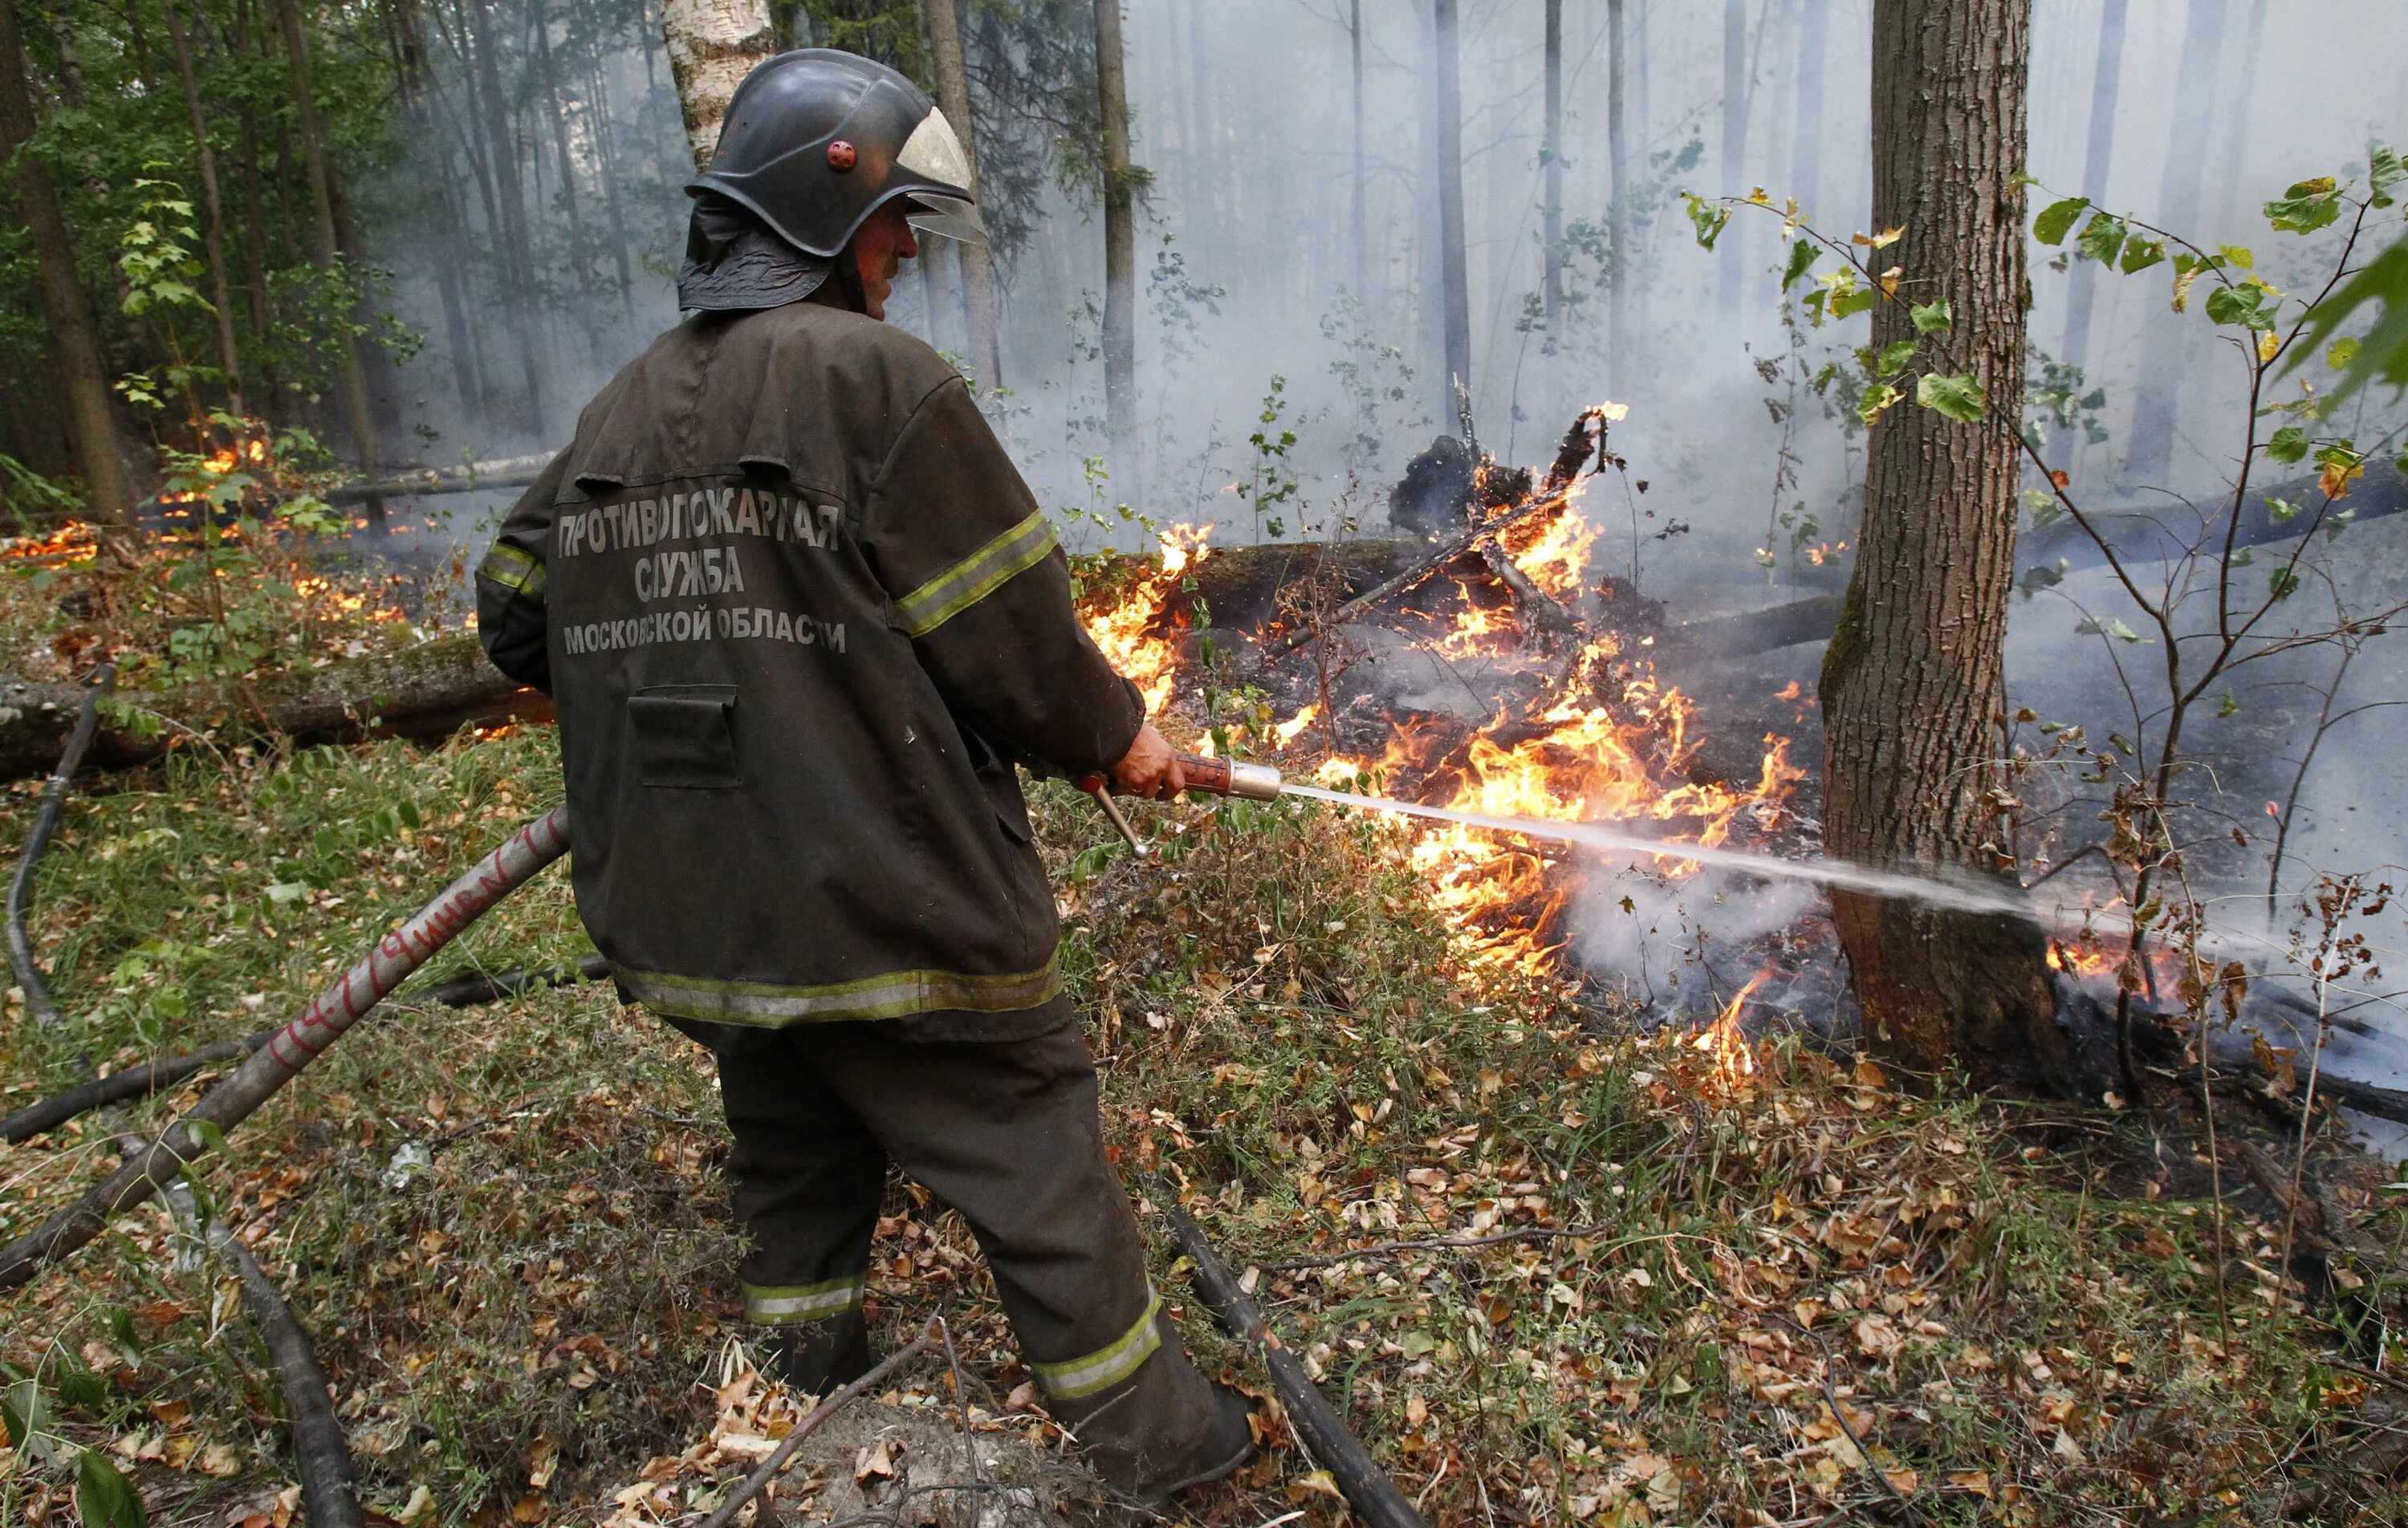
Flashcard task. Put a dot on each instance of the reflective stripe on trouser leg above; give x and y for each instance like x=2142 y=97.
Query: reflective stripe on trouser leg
x=1108 y=1365
x=798 y=1304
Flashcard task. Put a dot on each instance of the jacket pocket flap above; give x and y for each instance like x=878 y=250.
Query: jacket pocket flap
x=685 y=736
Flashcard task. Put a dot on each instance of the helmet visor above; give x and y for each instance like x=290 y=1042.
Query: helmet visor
x=946 y=217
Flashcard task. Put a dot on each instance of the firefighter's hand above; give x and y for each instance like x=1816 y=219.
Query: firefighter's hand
x=1150 y=769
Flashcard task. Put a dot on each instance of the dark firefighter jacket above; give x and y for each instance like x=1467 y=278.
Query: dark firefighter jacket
x=799 y=615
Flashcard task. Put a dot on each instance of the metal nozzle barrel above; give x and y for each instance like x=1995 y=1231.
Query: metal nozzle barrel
x=1230 y=778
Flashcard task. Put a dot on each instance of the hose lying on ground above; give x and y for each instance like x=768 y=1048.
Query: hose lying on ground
x=330 y=1495
x=46 y=822
x=293 y=1047
x=1366 y=1486
x=156 y=1076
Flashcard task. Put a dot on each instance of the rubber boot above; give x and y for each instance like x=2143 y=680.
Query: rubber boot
x=1226 y=1445
x=820 y=1357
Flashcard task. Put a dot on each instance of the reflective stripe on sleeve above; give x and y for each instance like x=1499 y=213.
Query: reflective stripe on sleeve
x=975 y=577
x=895 y=995
x=1105 y=1366
x=798 y=1303
x=514 y=568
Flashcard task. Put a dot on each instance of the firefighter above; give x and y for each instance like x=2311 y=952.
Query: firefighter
x=800 y=619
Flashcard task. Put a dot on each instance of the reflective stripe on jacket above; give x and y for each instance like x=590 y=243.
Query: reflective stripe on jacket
x=799 y=616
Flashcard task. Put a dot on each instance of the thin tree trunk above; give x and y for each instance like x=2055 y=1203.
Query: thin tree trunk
x=576 y=253
x=2196 y=94
x=1806 y=139
x=80 y=379
x=977 y=261
x=1618 y=230
x=606 y=142
x=1362 y=173
x=1550 y=154
x=1732 y=299
x=1203 y=221
x=213 y=229
x=2082 y=292
x=254 y=203
x=712 y=45
x=1913 y=682
x=1447 y=100
x=321 y=199
x=512 y=243
x=1120 y=253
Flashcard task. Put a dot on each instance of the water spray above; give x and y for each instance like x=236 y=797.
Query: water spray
x=1261 y=782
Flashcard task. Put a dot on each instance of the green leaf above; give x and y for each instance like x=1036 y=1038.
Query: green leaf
x=2383 y=172
x=409 y=810
x=1802 y=254
x=2341 y=352
x=24 y=1412
x=2238 y=254
x=1846 y=305
x=2246 y=557
x=2229 y=707
x=2308 y=205
x=104 y=1498
x=2103 y=237
x=1708 y=218
x=2037 y=577
x=1933 y=318
x=2289 y=444
x=2281 y=512
x=2383 y=355
x=2141 y=253
x=1959 y=398
x=1876 y=401
x=2056 y=219
x=2280 y=583
x=1895 y=358
x=79 y=1386
x=2251 y=307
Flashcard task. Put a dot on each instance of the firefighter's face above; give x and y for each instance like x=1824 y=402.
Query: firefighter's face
x=880 y=248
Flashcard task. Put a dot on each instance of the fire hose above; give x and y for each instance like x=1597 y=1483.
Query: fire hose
x=291 y=1049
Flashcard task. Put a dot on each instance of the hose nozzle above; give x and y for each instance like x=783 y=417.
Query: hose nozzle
x=1230 y=778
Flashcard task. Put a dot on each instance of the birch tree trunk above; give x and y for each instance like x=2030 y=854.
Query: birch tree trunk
x=1120 y=252
x=1912 y=684
x=109 y=492
x=977 y=262
x=712 y=45
x=1454 y=277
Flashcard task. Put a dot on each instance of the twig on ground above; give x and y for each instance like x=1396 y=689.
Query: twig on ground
x=1840 y=1415
x=751 y=1485
x=1433 y=1244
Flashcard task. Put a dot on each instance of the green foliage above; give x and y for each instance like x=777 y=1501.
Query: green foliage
x=1706 y=218
x=2103 y=237
x=1959 y=398
x=2381 y=355
x=2308 y=205
x=2056 y=219
x=2248 y=304
x=1802 y=252
x=1933 y=318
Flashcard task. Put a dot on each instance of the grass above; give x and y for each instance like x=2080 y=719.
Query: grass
x=504 y=1228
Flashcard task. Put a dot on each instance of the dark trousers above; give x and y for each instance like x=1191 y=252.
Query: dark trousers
x=1006 y=1132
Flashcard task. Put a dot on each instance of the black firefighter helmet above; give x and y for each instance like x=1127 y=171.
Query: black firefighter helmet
x=816 y=141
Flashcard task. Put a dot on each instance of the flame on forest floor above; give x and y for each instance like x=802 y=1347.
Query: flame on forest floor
x=1724 y=1040
x=1613 y=743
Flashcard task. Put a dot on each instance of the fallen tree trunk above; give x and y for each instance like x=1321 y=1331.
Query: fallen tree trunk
x=502 y=472
x=429 y=690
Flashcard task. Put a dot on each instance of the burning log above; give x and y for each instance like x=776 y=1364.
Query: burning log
x=502 y=472
x=426 y=691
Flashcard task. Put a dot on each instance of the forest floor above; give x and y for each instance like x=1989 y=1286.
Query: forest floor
x=1552 y=1269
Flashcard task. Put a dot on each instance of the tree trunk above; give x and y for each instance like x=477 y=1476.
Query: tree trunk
x=254 y=203
x=506 y=206
x=2081 y=291
x=1120 y=255
x=1733 y=298
x=577 y=254
x=82 y=380
x=1551 y=155
x=1362 y=173
x=1912 y=683
x=2196 y=94
x=1619 y=231
x=977 y=262
x=1806 y=139
x=1453 y=278
x=712 y=45
x=213 y=230
x=321 y=200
